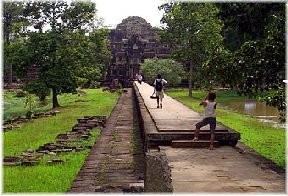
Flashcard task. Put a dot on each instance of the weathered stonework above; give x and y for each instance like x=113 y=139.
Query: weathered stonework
x=131 y=42
x=158 y=173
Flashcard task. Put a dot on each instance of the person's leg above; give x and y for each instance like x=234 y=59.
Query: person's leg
x=196 y=134
x=212 y=141
x=157 y=101
x=212 y=132
x=161 y=98
x=198 y=127
x=157 y=97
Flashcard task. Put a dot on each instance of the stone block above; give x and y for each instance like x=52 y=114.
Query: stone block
x=158 y=173
x=55 y=161
x=62 y=150
x=29 y=151
x=85 y=136
x=11 y=164
x=42 y=151
x=77 y=129
x=80 y=148
x=82 y=120
x=28 y=163
x=192 y=144
x=11 y=158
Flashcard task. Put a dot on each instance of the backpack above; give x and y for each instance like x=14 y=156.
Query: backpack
x=159 y=85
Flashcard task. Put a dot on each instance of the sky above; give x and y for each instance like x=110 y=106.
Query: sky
x=114 y=11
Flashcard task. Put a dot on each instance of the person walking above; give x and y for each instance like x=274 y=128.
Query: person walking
x=159 y=83
x=140 y=78
x=209 y=105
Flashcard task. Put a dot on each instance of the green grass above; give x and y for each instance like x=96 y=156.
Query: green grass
x=43 y=178
x=227 y=95
x=264 y=139
x=16 y=106
x=31 y=135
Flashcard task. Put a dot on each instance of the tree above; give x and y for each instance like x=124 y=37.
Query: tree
x=257 y=63
x=265 y=71
x=244 y=21
x=193 y=31
x=168 y=68
x=277 y=99
x=222 y=68
x=16 y=54
x=78 y=58
x=13 y=20
x=71 y=52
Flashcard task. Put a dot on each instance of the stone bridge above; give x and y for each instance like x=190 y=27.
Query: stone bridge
x=170 y=162
x=175 y=163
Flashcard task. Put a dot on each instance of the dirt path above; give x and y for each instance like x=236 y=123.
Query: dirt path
x=111 y=165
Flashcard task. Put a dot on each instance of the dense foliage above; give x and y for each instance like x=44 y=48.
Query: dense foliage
x=249 y=59
x=66 y=47
x=169 y=69
x=193 y=31
x=277 y=99
x=257 y=63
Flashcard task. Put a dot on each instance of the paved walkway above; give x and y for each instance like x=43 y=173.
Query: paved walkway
x=225 y=169
x=111 y=163
x=174 y=115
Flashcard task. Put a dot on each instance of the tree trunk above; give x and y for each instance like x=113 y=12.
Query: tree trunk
x=10 y=76
x=190 y=79
x=55 y=100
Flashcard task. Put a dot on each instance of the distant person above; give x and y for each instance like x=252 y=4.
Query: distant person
x=140 y=78
x=210 y=118
x=159 y=83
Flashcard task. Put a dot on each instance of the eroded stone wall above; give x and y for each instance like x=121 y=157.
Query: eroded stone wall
x=158 y=173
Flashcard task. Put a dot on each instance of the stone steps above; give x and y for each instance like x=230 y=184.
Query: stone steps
x=224 y=138
x=192 y=144
x=192 y=130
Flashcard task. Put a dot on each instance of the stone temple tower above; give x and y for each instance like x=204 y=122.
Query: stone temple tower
x=131 y=42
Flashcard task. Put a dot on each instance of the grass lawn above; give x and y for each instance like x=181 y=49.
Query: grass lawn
x=16 y=106
x=31 y=135
x=264 y=139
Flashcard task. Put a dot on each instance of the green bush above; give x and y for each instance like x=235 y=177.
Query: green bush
x=169 y=69
x=38 y=88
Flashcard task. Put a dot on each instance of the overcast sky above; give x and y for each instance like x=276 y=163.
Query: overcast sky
x=114 y=11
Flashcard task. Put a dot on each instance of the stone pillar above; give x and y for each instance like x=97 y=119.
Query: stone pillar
x=158 y=173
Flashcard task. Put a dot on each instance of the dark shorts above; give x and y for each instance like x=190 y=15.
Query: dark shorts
x=205 y=121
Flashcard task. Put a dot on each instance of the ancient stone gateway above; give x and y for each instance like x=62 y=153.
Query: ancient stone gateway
x=131 y=42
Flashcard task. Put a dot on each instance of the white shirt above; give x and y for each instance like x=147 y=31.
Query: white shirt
x=209 y=109
x=158 y=80
x=139 y=77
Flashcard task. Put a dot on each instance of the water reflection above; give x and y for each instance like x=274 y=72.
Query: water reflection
x=255 y=109
x=249 y=107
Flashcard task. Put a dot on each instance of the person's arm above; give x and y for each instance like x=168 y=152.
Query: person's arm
x=164 y=82
x=203 y=103
x=215 y=105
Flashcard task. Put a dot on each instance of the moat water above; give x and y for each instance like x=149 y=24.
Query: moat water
x=255 y=109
